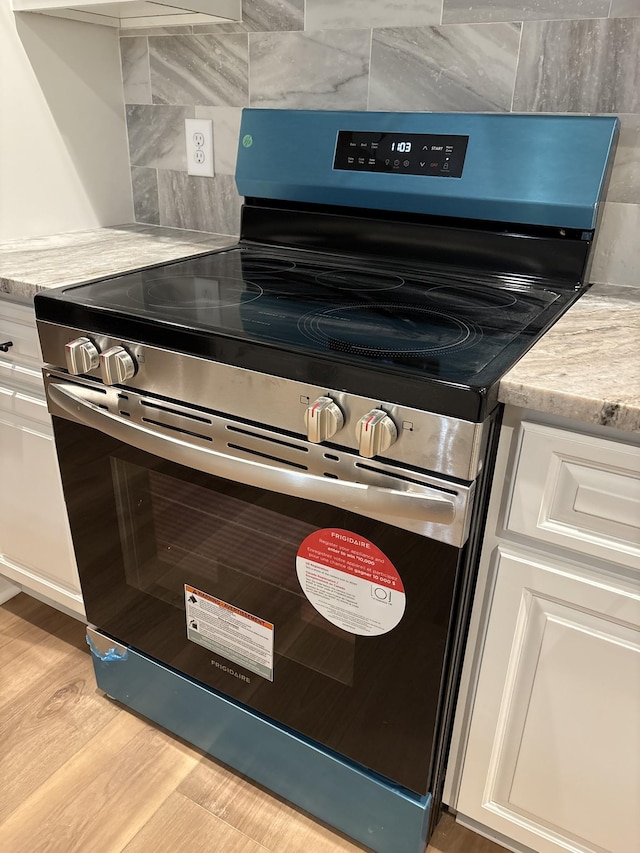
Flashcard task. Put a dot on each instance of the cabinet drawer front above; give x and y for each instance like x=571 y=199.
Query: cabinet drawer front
x=579 y=492
x=22 y=363
x=17 y=404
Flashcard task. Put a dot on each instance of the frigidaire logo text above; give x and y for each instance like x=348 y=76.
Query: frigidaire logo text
x=231 y=671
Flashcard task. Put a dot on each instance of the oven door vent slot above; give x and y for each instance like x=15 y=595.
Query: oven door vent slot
x=171 y=411
x=268 y=456
x=177 y=429
x=95 y=386
x=268 y=438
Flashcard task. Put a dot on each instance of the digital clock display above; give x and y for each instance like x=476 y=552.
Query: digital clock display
x=428 y=154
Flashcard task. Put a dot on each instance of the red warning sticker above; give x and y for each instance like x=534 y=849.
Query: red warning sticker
x=350 y=581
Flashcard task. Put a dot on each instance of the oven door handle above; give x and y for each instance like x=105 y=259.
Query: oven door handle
x=427 y=506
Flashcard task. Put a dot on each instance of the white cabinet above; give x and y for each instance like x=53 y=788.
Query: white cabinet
x=137 y=13
x=35 y=544
x=552 y=757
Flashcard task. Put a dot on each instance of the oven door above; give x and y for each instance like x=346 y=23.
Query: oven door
x=332 y=622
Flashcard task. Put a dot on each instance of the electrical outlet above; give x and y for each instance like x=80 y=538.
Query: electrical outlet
x=199 y=139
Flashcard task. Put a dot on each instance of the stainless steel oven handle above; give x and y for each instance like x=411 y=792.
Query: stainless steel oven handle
x=426 y=506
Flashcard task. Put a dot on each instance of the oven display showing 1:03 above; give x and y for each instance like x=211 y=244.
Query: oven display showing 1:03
x=402 y=147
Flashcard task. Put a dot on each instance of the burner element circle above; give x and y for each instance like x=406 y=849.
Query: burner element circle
x=388 y=330
x=196 y=292
x=360 y=281
x=471 y=298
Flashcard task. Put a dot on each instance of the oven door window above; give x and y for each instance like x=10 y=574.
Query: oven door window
x=145 y=529
x=231 y=547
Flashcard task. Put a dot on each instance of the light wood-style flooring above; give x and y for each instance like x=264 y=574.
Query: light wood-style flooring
x=80 y=773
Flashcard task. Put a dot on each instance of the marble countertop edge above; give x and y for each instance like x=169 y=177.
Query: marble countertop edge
x=618 y=414
x=587 y=366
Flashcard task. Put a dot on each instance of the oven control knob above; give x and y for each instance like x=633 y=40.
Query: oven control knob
x=323 y=419
x=376 y=432
x=116 y=366
x=81 y=355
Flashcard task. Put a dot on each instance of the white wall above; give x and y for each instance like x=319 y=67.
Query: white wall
x=64 y=162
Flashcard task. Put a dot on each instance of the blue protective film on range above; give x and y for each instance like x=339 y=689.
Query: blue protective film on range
x=110 y=655
x=529 y=169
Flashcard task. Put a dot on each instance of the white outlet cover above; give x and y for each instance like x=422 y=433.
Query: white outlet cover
x=199 y=140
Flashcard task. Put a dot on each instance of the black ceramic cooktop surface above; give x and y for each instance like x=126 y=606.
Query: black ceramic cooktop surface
x=444 y=324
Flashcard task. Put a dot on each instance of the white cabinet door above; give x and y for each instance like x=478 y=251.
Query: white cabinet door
x=553 y=756
x=35 y=543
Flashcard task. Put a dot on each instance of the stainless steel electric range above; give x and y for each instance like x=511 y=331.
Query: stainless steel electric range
x=276 y=457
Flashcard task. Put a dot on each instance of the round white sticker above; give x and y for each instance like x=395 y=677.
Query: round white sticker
x=350 y=582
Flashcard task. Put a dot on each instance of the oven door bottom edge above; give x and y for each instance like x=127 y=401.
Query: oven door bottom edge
x=383 y=818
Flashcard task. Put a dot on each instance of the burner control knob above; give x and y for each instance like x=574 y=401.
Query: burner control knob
x=376 y=432
x=81 y=355
x=323 y=419
x=116 y=366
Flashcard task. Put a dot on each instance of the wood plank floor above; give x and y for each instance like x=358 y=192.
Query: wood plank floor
x=80 y=773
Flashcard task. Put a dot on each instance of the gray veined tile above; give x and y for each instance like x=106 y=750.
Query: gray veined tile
x=317 y=70
x=273 y=15
x=458 y=68
x=625 y=9
x=226 y=130
x=199 y=204
x=156 y=136
x=617 y=248
x=624 y=185
x=199 y=69
x=480 y=11
x=262 y=16
x=145 y=195
x=344 y=14
x=579 y=66
x=134 y=58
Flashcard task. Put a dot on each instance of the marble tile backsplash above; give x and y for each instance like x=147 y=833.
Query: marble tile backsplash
x=569 y=56
x=200 y=68
x=466 y=68
x=319 y=70
x=579 y=66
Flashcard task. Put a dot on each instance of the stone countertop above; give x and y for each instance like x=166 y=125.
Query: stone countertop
x=586 y=367
x=27 y=266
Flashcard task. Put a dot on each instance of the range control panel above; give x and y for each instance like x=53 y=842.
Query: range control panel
x=405 y=153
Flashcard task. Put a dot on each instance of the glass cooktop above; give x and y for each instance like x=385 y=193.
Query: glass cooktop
x=257 y=308
x=441 y=323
